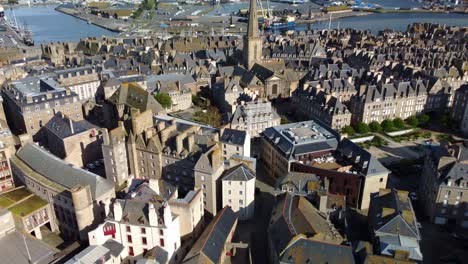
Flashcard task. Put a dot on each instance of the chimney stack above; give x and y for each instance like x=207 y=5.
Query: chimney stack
x=71 y=126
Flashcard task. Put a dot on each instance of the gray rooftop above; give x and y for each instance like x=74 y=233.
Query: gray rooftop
x=239 y=173
x=61 y=172
x=301 y=137
x=31 y=86
x=13 y=250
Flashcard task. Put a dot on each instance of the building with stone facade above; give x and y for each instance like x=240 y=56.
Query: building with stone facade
x=76 y=142
x=31 y=102
x=30 y=211
x=389 y=101
x=238 y=190
x=254 y=117
x=183 y=153
x=253 y=43
x=6 y=177
x=114 y=154
x=79 y=198
x=444 y=185
x=308 y=147
x=234 y=142
x=84 y=81
x=393 y=225
x=459 y=112
x=315 y=104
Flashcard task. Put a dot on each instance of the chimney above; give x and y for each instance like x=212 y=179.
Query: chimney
x=190 y=142
x=152 y=215
x=154 y=185
x=105 y=136
x=167 y=215
x=117 y=210
x=180 y=142
x=71 y=126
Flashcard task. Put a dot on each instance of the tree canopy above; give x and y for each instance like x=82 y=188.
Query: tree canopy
x=164 y=99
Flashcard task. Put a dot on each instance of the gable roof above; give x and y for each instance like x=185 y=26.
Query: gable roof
x=59 y=172
x=239 y=173
x=210 y=245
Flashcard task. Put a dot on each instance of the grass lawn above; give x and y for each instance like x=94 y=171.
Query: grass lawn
x=28 y=206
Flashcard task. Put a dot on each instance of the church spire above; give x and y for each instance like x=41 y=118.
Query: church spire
x=252 y=31
x=252 y=42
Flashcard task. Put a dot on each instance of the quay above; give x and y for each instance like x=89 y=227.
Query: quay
x=109 y=24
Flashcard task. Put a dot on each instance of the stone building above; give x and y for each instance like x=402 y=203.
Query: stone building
x=31 y=102
x=6 y=177
x=459 y=111
x=253 y=43
x=212 y=246
x=77 y=142
x=254 y=117
x=183 y=153
x=388 y=101
x=313 y=103
x=181 y=96
x=238 y=190
x=234 y=142
x=114 y=153
x=444 y=185
x=79 y=198
x=30 y=211
x=393 y=225
x=84 y=81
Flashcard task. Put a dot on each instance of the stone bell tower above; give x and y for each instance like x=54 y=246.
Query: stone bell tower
x=252 y=42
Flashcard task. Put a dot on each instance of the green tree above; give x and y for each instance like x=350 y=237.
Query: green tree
x=412 y=121
x=398 y=123
x=362 y=128
x=164 y=99
x=375 y=127
x=423 y=119
x=212 y=116
x=284 y=120
x=348 y=130
x=387 y=125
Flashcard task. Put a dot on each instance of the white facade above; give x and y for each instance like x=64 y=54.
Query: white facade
x=239 y=191
x=139 y=237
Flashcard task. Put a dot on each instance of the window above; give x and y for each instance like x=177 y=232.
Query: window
x=241 y=202
x=229 y=191
x=240 y=192
x=128 y=228
x=129 y=238
x=161 y=242
x=143 y=230
x=161 y=232
x=130 y=251
x=143 y=241
x=381 y=179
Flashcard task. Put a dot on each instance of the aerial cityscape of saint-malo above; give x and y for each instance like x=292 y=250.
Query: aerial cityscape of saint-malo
x=233 y=131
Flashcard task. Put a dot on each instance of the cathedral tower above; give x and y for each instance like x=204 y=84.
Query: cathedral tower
x=252 y=42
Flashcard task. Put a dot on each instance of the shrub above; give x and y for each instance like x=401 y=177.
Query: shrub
x=423 y=119
x=348 y=130
x=375 y=127
x=362 y=128
x=387 y=125
x=398 y=123
x=164 y=99
x=412 y=121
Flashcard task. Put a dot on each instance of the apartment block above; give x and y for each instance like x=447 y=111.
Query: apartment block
x=114 y=153
x=238 y=190
x=254 y=117
x=234 y=142
x=31 y=102
x=84 y=81
x=79 y=198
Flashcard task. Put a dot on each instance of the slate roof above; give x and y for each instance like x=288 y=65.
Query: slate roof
x=59 y=172
x=302 y=137
x=61 y=126
x=210 y=245
x=238 y=173
x=233 y=136
x=136 y=97
x=304 y=250
x=391 y=213
x=295 y=215
x=368 y=165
